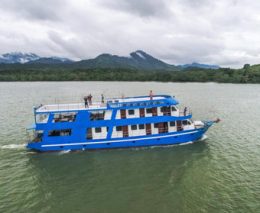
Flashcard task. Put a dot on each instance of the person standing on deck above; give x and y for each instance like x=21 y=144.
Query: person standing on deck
x=86 y=101
x=151 y=95
x=90 y=99
x=102 y=99
x=185 y=111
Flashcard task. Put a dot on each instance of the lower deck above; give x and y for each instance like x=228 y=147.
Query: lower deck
x=153 y=140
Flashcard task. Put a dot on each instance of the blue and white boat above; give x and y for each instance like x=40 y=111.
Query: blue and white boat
x=114 y=123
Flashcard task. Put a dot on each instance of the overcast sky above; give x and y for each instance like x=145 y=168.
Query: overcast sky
x=224 y=32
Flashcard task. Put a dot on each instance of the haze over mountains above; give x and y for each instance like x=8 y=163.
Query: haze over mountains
x=137 y=60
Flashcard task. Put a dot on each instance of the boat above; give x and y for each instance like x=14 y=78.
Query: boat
x=140 y=121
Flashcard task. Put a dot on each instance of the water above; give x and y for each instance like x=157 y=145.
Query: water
x=219 y=174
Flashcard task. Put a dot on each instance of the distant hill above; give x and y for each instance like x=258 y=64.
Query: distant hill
x=17 y=57
x=51 y=60
x=138 y=60
x=197 y=65
x=31 y=58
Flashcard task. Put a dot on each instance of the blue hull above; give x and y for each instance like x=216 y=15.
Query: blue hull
x=151 y=140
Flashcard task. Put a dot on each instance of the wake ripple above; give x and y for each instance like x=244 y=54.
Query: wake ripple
x=13 y=146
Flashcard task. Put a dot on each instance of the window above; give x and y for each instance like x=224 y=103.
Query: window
x=173 y=108
x=172 y=123
x=62 y=132
x=97 y=115
x=98 y=130
x=141 y=126
x=42 y=118
x=64 y=117
x=131 y=112
x=162 y=109
x=149 y=110
x=184 y=122
x=134 y=127
x=119 y=128
x=156 y=125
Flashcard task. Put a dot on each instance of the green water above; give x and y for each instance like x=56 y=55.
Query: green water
x=219 y=174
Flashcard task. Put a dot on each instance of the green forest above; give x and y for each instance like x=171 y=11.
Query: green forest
x=247 y=74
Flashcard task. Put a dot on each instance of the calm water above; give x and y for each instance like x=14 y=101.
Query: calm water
x=220 y=174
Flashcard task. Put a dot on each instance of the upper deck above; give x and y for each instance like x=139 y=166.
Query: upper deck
x=127 y=102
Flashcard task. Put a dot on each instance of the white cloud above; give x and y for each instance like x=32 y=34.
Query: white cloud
x=224 y=32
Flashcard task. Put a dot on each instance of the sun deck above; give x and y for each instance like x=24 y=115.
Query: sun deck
x=109 y=103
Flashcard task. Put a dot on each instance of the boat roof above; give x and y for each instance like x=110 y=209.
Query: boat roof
x=125 y=102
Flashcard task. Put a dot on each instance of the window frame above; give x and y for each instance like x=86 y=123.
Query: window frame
x=133 y=127
x=132 y=112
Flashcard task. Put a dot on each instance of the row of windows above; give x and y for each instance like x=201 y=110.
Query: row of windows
x=142 y=103
x=150 y=110
x=67 y=132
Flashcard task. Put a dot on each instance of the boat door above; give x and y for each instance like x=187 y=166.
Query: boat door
x=179 y=125
x=154 y=111
x=123 y=113
x=141 y=110
x=125 y=131
x=148 y=129
x=89 y=134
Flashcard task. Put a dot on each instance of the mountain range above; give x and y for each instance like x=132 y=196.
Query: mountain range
x=136 y=60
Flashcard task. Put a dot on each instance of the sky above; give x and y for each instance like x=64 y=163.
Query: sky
x=223 y=32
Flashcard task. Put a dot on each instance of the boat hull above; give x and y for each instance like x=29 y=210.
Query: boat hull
x=150 y=140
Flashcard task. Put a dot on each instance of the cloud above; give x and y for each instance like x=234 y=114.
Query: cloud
x=144 y=8
x=34 y=9
x=224 y=32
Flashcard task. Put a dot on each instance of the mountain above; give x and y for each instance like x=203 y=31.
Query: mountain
x=51 y=60
x=137 y=60
x=24 y=58
x=197 y=65
x=17 y=57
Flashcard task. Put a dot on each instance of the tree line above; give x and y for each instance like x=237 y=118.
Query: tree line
x=248 y=74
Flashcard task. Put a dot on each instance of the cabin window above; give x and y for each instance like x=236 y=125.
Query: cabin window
x=134 y=127
x=119 y=128
x=98 y=130
x=173 y=108
x=162 y=109
x=185 y=122
x=141 y=126
x=149 y=110
x=156 y=125
x=61 y=132
x=131 y=112
x=64 y=117
x=172 y=123
x=97 y=115
x=166 y=110
x=42 y=118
